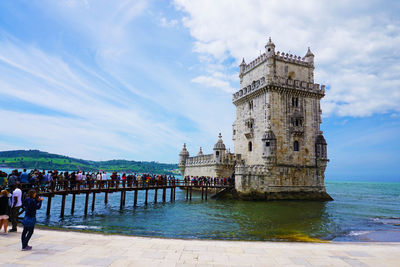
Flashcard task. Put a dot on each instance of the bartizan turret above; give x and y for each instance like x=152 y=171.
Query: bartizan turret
x=219 y=150
x=182 y=159
x=269 y=148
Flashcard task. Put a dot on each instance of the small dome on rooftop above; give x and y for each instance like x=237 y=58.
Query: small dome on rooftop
x=220 y=144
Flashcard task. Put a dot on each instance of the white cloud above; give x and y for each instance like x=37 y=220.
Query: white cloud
x=357 y=47
x=168 y=23
x=216 y=80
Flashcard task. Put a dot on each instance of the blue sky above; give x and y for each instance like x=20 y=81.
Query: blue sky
x=135 y=79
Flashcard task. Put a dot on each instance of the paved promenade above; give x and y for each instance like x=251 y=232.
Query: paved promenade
x=59 y=248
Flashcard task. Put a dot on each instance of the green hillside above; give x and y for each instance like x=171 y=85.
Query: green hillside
x=35 y=159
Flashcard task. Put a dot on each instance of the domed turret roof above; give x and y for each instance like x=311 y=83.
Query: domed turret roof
x=270 y=43
x=184 y=151
x=309 y=53
x=200 y=152
x=220 y=144
x=320 y=140
x=269 y=135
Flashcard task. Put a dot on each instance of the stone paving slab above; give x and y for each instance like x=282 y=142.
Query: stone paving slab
x=63 y=248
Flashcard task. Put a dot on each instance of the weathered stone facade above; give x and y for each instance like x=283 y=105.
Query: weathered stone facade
x=280 y=152
x=218 y=164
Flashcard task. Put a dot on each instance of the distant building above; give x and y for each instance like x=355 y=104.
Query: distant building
x=279 y=149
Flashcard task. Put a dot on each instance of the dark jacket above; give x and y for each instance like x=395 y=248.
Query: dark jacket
x=4 y=207
x=30 y=206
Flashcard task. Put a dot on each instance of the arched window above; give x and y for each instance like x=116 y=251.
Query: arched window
x=267 y=144
x=250 y=146
x=296 y=146
x=217 y=153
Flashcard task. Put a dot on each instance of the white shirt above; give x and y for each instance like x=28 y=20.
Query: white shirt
x=17 y=193
x=104 y=176
x=79 y=176
x=99 y=176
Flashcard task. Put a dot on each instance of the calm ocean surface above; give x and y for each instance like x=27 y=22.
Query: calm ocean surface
x=361 y=211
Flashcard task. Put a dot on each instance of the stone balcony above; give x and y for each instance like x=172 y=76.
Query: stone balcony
x=278 y=82
x=297 y=130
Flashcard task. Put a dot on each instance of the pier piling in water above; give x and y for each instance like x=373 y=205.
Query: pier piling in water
x=86 y=202
x=63 y=205
x=135 y=198
x=73 y=204
x=164 y=194
x=48 y=205
x=93 y=200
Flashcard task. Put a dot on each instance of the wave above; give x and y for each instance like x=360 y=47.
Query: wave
x=391 y=220
x=357 y=233
x=84 y=227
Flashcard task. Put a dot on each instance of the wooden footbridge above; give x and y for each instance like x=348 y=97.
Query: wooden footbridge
x=95 y=187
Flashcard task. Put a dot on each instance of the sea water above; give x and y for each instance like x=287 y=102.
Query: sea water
x=361 y=211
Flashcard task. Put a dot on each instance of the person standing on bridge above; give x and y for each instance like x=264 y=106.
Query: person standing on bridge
x=31 y=204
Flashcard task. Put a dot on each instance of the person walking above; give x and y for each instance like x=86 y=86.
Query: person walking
x=16 y=204
x=4 y=210
x=31 y=204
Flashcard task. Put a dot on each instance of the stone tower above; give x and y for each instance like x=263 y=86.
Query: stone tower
x=277 y=128
x=280 y=152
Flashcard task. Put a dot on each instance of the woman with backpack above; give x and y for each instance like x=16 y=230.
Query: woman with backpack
x=31 y=204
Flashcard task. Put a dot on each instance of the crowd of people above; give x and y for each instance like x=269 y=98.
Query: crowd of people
x=202 y=180
x=43 y=180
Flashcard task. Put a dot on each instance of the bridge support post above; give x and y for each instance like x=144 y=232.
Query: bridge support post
x=106 y=198
x=121 y=203
x=63 y=205
x=190 y=196
x=155 y=195
x=48 y=206
x=172 y=197
x=187 y=192
x=93 y=200
x=206 y=192
x=86 y=203
x=164 y=193
x=202 y=192
x=73 y=204
x=135 y=198
x=145 y=200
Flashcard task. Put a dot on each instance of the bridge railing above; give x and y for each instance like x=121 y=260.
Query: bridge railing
x=55 y=186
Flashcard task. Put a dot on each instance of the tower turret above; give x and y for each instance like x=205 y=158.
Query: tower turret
x=270 y=48
x=219 y=150
x=269 y=147
x=320 y=147
x=242 y=66
x=200 y=152
x=182 y=159
x=309 y=57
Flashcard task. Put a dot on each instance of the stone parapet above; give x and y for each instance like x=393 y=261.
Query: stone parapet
x=282 y=56
x=200 y=160
x=262 y=83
